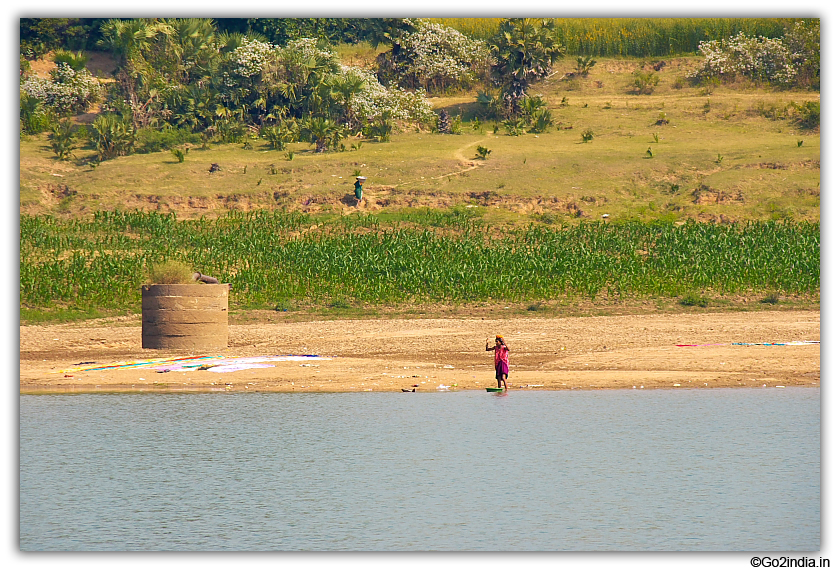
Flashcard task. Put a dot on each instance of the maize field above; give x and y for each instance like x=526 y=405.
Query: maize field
x=633 y=37
x=271 y=257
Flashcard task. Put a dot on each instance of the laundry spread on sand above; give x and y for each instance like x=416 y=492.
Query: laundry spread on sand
x=232 y=367
x=221 y=364
x=95 y=366
x=791 y=343
x=209 y=363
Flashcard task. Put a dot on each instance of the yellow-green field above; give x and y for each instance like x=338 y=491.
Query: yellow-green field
x=726 y=151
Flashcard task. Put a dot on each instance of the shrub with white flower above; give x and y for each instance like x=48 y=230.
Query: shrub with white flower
x=435 y=57
x=245 y=64
x=66 y=91
x=758 y=58
x=375 y=102
x=242 y=71
x=315 y=50
x=250 y=58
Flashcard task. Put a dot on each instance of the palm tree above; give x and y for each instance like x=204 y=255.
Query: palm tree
x=190 y=106
x=192 y=41
x=127 y=38
x=286 y=76
x=112 y=136
x=342 y=90
x=524 y=52
x=321 y=132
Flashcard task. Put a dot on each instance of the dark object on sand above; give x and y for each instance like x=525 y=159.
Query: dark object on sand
x=215 y=167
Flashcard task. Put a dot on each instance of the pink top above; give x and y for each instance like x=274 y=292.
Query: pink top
x=501 y=354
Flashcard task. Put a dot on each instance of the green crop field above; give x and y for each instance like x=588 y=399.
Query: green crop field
x=635 y=37
x=276 y=260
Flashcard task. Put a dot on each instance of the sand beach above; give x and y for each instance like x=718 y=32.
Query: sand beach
x=763 y=349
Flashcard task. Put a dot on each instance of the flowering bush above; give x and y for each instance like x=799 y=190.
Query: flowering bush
x=375 y=101
x=258 y=83
x=242 y=69
x=435 y=57
x=249 y=59
x=257 y=71
x=67 y=91
x=757 y=58
x=318 y=51
x=305 y=77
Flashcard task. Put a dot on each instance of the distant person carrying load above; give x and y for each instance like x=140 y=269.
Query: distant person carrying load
x=500 y=359
x=358 y=188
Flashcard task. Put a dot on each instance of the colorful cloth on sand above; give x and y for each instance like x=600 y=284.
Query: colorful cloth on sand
x=209 y=363
x=140 y=363
x=235 y=367
x=238 y=363
x=791 y=343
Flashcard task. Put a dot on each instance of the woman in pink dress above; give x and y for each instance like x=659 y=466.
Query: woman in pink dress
x=500 y=358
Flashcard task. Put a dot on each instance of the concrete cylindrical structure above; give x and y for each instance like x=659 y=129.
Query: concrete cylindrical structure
x=191 y=317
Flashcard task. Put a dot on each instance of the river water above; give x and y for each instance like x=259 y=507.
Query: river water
x=612 y=470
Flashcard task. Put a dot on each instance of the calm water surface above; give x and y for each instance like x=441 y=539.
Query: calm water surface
x=669 y=470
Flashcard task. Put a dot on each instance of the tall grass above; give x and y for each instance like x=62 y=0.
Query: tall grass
x=273 y=257
x=170 y=272
x=476 y=28
x=635 y=37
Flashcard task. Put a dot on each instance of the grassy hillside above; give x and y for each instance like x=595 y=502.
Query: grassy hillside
x=681 y=152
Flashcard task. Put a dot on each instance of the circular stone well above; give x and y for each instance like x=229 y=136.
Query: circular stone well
x=193 y=317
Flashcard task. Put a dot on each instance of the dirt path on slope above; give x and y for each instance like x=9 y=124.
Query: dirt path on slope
x=466 y=163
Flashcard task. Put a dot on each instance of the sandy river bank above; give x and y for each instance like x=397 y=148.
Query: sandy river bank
x=393 y=354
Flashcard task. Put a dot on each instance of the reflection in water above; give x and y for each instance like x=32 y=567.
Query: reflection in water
x=601 y=470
